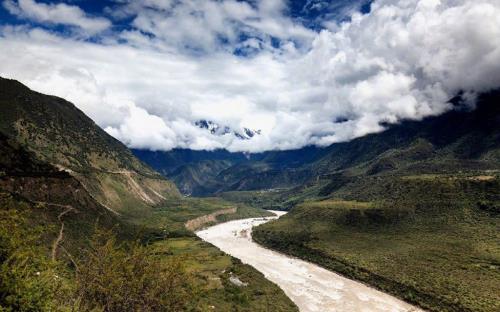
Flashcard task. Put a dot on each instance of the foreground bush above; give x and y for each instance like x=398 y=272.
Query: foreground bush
x=28 y=279
x=118 y=277
x=109 y=276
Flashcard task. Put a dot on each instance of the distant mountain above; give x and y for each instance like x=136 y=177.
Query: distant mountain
x=194 y=172
x=216 y=129
x=201 y=173
x=458 y=140
x=58 y=137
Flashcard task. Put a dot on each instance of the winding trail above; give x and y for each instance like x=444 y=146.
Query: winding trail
x=60 y=236
x=312 y=288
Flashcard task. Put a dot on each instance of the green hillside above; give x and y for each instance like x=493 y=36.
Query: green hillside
x=60 y=134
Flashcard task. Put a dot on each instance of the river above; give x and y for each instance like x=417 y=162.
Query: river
x=312 y=288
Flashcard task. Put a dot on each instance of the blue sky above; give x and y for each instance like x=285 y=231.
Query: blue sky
x=310 y=12
x=147 y=71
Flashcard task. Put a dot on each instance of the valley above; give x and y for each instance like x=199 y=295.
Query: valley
x=410 y=212
x=250 y=156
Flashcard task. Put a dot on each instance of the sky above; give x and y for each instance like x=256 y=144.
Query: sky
x=309 y=72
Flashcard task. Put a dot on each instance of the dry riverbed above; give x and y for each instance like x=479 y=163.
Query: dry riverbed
x=312 y=288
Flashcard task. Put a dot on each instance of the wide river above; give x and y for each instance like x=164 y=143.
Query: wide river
x=312 y=288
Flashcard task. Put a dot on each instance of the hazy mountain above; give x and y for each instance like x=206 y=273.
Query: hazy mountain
x=202 y=173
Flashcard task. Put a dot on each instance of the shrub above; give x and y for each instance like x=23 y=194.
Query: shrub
x=128 y=277
x=28 y=279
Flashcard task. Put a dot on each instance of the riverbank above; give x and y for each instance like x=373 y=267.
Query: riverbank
x=310 y=287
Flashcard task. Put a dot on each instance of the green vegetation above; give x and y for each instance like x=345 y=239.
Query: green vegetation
x=119 y=277
x=27 y=279
x=109 y=273
x=108 y=276
x=431 y=240
x=211 y=270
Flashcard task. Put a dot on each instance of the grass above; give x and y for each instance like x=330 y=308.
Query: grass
x=212 y=269
x=430 y=241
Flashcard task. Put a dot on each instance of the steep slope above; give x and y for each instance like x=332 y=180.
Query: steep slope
x=61 y=135
x=51 y=198
x=197 y=178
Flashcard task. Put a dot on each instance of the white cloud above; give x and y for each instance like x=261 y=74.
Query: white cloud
x=212 y=25
x=56 y=14
x=404 y=60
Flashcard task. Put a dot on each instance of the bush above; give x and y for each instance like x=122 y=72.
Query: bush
x=28 y=279
x=128 y=277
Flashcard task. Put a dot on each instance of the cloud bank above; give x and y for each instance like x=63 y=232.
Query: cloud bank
x=254 y=66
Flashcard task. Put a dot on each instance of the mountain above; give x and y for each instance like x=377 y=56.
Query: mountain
x=56 y=161
x=204 y=173
x=58 y=134
x=461 y=138
x=216 y=129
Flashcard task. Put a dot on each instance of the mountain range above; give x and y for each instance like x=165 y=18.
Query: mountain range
x=463 y=138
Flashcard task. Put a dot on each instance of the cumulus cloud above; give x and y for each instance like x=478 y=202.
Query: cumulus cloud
x=403 y=60
x=56 y=14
